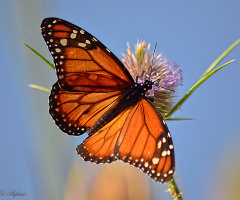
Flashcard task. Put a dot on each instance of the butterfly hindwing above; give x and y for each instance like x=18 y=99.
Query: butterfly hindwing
x=137 y=136
x=146 y=143
x=76 y=112
x=100 y=147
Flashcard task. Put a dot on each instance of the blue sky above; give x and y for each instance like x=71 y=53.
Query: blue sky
x=193 y=33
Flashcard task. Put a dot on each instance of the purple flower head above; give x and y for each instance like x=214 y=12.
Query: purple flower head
x=155 y=67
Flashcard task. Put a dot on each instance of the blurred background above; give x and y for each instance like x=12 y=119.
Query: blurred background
x=37 y=159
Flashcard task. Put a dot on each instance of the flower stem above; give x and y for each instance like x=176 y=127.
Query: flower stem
x=174 y=190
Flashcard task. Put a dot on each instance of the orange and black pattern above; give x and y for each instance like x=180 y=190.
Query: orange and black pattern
x=95 y=94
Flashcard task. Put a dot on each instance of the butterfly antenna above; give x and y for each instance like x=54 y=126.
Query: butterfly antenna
x=167 y=89
x=154 y=51
x=139 y=76
x=158 y=80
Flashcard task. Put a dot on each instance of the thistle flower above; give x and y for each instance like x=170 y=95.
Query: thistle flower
x=155 y=67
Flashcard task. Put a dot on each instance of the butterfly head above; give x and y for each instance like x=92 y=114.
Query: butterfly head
x=142 y=88
x=147 y=85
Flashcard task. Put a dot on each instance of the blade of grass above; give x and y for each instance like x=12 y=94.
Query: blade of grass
x=40 y=56
x=39 y=87
x=194 y=87
x=177 y=119
x=219 y=59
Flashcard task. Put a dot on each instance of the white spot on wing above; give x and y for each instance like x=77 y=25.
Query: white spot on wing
x=168 y=152
x=164 y=153
x=164 y=140
x=155 y=161
x=82 y=44
x=146 y=164
x=63 y=42
x=73 y=35
x=82 y=31
x=58 y=50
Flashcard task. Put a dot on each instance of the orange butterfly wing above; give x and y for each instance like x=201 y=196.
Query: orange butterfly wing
x=137 y=136
x=90 y=77
x=99 y=147
x=82 y=62
x=145 y=142
x=75 y=112
x=91 y=95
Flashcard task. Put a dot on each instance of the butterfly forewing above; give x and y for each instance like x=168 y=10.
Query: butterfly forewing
x=85 y=68
x=82 y=62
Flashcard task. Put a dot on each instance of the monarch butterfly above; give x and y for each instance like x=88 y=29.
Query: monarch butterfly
x=95 y=94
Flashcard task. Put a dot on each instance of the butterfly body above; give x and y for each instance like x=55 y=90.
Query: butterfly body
x=129 y=98
x=95 y=94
